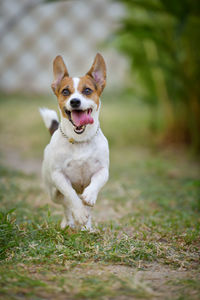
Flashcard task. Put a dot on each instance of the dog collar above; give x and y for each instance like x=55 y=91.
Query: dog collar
x=72 y=140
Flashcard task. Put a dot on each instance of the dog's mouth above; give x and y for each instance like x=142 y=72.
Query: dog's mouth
x=79 y=119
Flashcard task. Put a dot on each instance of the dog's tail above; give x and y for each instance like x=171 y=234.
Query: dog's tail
x=50 y=119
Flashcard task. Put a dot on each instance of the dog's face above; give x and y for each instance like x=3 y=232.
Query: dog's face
x=78 y=98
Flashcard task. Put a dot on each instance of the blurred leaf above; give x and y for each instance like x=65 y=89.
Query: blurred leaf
x=161 y=39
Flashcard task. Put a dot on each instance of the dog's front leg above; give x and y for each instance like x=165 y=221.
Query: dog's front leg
x=71 y=199
x=98 y=180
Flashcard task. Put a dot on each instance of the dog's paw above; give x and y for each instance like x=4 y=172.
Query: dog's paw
x=65 y=222
x=89 y=197
x=80 y=215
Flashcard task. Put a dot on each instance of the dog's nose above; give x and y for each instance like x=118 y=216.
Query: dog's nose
x=75 y=103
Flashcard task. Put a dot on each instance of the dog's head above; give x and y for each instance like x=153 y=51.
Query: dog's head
x=78 y=98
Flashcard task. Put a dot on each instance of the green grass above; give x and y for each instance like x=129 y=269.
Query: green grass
x=147 y=223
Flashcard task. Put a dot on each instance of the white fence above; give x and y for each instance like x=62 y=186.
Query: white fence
x=33 y=32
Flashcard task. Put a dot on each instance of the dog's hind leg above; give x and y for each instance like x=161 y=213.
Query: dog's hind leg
x=88 y=225
x=57 y=196
x=68 y=219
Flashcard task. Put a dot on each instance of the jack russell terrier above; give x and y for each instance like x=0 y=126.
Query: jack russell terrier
x=76 y=161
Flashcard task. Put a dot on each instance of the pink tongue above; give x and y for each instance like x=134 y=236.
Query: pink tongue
x=80 y=117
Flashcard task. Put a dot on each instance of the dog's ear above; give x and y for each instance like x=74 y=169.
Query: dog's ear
x=98 y=71
x=59 y=72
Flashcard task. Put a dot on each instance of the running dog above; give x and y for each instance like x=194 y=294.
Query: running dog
x=76 y=161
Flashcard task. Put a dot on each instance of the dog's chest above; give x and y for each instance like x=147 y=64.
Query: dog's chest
x=79 y=166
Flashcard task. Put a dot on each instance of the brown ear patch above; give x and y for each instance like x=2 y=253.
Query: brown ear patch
x=59 y=72
x=98 y=71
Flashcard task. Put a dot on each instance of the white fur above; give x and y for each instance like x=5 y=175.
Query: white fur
x=48 y=115
x=76 y=82
x=68 y=166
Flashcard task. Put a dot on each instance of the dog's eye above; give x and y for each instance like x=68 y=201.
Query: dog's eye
x=66 y=92
x=87 y=91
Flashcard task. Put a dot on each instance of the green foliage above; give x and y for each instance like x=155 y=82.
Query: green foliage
x=161 y=38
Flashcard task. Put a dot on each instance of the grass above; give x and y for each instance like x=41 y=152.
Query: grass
x=146 y=239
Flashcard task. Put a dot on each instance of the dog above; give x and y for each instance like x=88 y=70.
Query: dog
x=76 y=161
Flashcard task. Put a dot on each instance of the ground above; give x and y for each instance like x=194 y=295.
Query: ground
x=145 y=243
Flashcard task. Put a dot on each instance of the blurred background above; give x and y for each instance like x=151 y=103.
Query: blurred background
x=33 y=32
x=151 y=49
x=146 y=219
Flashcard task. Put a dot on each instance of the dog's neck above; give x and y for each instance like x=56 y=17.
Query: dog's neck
x=89 y=132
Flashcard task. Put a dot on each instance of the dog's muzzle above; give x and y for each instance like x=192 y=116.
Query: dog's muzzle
x=79 y=118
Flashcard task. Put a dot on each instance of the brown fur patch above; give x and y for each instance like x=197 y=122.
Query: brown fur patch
x=59 y=72
x=67 y=82
x=85 y=81
x=88 y=82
